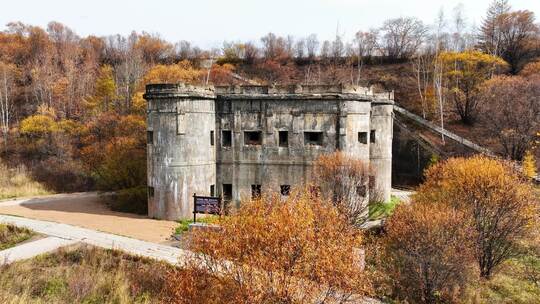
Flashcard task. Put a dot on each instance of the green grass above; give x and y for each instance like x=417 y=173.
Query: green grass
x=83 y=274
x=11 y=235
x=380 y=210
x=183 y=225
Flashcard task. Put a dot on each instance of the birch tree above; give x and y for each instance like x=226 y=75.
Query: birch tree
x=7 y=77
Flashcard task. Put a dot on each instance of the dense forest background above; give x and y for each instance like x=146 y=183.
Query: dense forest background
x=72 y=111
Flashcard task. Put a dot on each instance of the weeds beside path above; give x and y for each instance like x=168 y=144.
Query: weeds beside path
x=11 y=235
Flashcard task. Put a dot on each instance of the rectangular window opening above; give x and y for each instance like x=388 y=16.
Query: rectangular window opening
x=362 y=137
x=313 y=138
x=212 y=190
x=283 y=139
x=150 y=137
x=252 y=138
x=372 y=136
x=227 y=192
x=211 y=138
x=371 y=182
x=361 y=191
x=226 y=138
x=255 y=191
x=285 y=190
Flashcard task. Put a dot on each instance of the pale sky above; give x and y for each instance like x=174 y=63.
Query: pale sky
x=208 y=23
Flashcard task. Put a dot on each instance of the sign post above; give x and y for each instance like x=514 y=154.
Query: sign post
x=206 y=205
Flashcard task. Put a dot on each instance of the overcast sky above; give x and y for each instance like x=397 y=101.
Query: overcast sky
x=208 y=23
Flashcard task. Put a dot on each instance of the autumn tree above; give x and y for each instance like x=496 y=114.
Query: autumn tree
x=274 y=47
x=180 y=72
x=490 y=37
x=401 y=37
x=297 y=250
x=427 y=253
x=508 y=34
x=7 y=84
x=344 y=181
x=495 y=199
x=529 y=165
x=511 y=112
x=104 y=96
x=531 y=68
x=464 y=72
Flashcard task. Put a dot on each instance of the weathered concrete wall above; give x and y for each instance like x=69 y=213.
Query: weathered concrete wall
x=182 y=161
x=381 y=151
x=181 y=158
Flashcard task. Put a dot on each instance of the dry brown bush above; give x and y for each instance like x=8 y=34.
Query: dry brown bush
x=427 y=254
x=298 y=250
x=498 y=201
x=344 y=181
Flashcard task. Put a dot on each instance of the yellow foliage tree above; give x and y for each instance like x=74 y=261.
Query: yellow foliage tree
x=464 y=72
x=38 y=125
x=529 y=165
x=104 y=92
x=175 y=73
x=499 y=203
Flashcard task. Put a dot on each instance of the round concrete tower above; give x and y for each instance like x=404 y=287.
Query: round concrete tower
x=380 y=145
x=181 y=149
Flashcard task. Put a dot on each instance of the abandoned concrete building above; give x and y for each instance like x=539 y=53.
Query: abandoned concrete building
x=237 y=141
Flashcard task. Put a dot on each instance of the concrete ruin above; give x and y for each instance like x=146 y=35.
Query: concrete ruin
x=236 y=141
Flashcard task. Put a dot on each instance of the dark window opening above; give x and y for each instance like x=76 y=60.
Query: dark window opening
x=150 y=137
x=371 y=181
x=283 y=139
x=361 y=191
x=362 y=137
x=227 y=192
x=255 y=191
x=212 y=190
x=211 y=138
x=253 y=138
x=372 y=136
x=313 y=138
x=285 y=190
x=226 y=138
x=150 y=192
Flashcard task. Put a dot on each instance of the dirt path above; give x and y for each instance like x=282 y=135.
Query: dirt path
x=89 y=211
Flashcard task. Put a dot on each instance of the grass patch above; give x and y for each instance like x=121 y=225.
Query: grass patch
x=381 y=210
x=16 y=182
x=518 y=281
x=11 y=235
x=183 y=225
x=83 y=274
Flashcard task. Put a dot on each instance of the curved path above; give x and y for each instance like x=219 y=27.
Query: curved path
x=88 y=210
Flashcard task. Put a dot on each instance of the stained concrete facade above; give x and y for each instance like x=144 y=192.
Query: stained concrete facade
x=235 y=141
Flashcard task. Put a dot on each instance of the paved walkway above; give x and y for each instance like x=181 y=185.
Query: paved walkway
x=89 y=211
x=72 y=234
x=31 y=249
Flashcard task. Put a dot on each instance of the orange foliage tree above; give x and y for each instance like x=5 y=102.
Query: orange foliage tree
x=344 y=181
x=498 y=201
x=298 y=250
x=427 y=253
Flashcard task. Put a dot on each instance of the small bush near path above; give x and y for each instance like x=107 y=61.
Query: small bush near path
x=11 y=235
x=83 y=274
